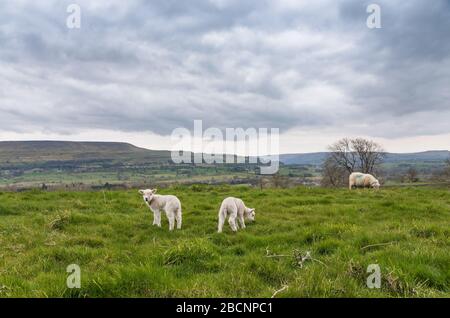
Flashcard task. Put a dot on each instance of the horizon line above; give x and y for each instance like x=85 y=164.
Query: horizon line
x=154 y=149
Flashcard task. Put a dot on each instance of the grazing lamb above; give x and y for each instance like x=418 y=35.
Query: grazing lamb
x=235 y=209
x=169 y=203
x=361 y=180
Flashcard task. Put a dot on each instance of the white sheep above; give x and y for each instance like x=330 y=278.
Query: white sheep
x=169 y=203
x=235 y=209
x=362 y=180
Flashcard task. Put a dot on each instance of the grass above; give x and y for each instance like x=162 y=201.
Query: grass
x=110 y=236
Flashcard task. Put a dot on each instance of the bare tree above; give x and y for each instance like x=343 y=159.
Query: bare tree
x=411 y=175
x=342 y=154
x=333 y=175
x=443 y=175
x=447 y=169
x=350 y=155
x=369 y=153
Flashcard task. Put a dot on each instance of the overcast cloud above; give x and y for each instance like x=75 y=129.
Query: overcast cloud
x=148 y=67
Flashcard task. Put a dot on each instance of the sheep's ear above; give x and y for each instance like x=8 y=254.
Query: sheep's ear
x=154 y=190
x=252 y=210
x=141 y=192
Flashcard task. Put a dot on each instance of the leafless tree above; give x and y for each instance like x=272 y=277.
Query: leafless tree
x=447 y=169
x=357 y=154
x=350 y=155
x=342 y=154
x=333 y=175
x=369 y=153
x=411 y=175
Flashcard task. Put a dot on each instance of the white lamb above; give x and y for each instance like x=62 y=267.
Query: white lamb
x=169 y=203
x=235 y=209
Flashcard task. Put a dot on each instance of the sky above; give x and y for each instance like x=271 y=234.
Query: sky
x=137 y=70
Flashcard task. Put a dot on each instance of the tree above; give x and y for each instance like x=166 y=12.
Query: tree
x=333 y=175
x=447 y=169
x=411 y=175
x=357 y=154
x=443 y=175
x=369 y=153
x=351 y=155
x=342 y=155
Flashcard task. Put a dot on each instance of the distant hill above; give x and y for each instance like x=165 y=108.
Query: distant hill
x=426 y=156
x=313 y=158
x=318 y=157
x=43 y=151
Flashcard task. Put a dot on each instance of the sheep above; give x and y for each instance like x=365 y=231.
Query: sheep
x=169 y=203
x=362 y=180
x=234 y=208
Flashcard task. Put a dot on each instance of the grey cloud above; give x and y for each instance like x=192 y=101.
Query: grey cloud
x=158 y=65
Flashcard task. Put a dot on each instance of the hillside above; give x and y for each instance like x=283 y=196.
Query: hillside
x=43 y=151
x=313 y=158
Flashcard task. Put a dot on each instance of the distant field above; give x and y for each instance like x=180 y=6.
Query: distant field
x=61 y=179
x=110 y=236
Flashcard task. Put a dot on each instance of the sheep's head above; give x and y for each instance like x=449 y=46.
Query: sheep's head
x=251 y=214
x=148 y=194
x=375 y=184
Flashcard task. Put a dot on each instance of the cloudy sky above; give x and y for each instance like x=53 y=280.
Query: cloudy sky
x=136 y=70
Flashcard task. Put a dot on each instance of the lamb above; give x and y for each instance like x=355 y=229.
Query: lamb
x=362 y=180
x=169 y=203
x=234 y=208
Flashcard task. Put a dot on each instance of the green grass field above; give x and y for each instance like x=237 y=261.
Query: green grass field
x=111 y=237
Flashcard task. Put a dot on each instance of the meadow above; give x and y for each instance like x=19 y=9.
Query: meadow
x=109 y=234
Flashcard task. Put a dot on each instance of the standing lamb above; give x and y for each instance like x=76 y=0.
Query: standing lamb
x=169 y=203
x=234 y=208
x=362 y=180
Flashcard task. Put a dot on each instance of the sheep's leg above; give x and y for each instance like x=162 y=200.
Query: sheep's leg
x=157 y=218
x=242 y=221
x=232 y=219
x=178 y=218
x=171 y=218
x=222 y=217
x=232 y=222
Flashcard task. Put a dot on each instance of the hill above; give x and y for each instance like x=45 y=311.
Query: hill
x=318 y=157
x=43 y=151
